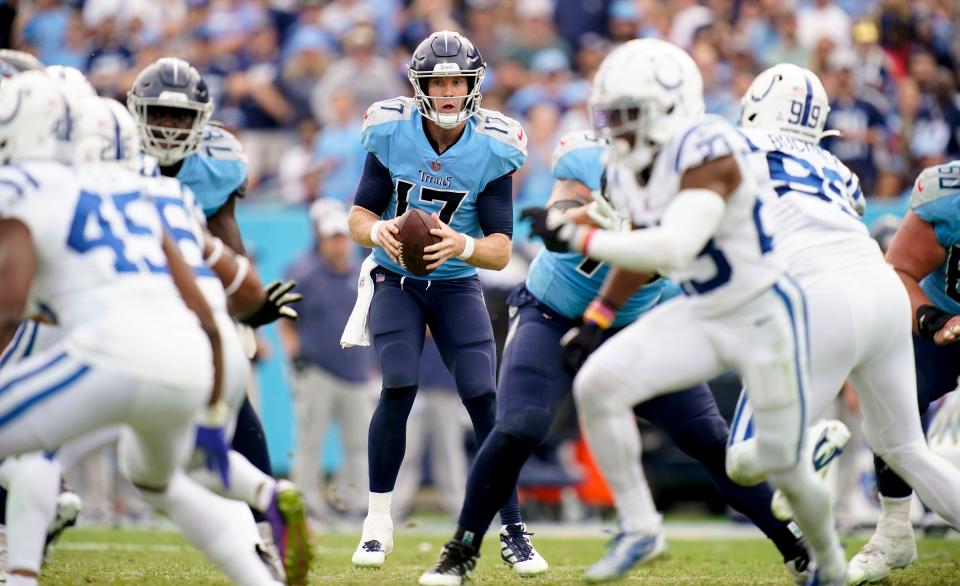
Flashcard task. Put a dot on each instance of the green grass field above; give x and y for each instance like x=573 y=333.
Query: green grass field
x=109 y=556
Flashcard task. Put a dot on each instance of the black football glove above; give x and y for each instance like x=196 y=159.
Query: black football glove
x=552 y=226
x=276 y=305
x=579 y=343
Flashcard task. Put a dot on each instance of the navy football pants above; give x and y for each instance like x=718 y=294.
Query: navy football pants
x=533 y=381
x=454 y=311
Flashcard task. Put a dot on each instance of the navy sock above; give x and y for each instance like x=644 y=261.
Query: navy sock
x=387 y=439
x=251 y=443
x=483 y=414
x=493 y=480
x=889 y=482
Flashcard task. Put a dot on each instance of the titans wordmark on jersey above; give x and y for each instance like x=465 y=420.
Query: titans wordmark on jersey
x=492 y=145
x=567 y=282
x=936 y=199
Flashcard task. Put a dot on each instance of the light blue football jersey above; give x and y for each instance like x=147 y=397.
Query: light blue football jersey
x=216 y=170
x=492 y=146
x=936 y=199
x=567 y=282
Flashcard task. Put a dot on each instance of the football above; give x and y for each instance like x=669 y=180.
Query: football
x=414 y=236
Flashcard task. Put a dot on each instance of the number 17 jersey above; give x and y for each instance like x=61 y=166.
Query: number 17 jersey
x=492 y=145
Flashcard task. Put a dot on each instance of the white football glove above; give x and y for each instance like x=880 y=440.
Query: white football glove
x=606 y=215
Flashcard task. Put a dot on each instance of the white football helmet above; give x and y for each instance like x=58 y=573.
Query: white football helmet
x=36 y=120
x=786 y=99
x=645 y=89
x=73 y=82
x=106 y=131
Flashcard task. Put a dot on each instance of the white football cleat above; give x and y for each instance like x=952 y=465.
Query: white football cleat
x=626 y=551
x=376 y=542
x=453 y=568
x=825 y=442
x=518 y=552
x=800 y=569
x=893 y=546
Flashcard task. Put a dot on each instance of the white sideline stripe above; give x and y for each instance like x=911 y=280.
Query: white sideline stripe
x=135 y=547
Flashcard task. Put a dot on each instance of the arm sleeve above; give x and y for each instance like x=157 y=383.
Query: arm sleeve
x=376 y=186
x=495 y=207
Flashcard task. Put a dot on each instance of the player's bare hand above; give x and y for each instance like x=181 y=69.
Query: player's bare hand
x=388 y=240
x=451 y=244
x=949 y=333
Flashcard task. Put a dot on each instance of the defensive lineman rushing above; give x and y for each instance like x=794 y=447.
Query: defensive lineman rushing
x=102 y=268
x=560 y=288
x=439 y=152
x=701 y=197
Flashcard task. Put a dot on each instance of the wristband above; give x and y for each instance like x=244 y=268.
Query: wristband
x=467 y=247
x=600 y=314
x=581 y=239
x=930 y=320
x=243 y=266
x=375 y=232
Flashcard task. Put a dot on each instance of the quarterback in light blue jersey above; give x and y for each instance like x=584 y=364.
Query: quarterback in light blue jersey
x=441 y=153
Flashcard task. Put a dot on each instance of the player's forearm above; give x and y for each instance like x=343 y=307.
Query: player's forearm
x=361 y=221
x=686 y=227
x=223 y=225
x=918 y=297
x=17 y=265
x=620 y=285
x=491 y=252
x=241 y=283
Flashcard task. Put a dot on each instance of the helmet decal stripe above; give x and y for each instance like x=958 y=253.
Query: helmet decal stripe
x=116 y=135
x=16 y=109
x=807 y=100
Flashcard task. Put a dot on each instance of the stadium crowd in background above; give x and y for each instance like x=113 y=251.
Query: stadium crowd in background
x=293 y=76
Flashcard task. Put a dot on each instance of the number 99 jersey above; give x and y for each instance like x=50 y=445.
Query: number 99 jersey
x=810 y=200
x=936 y=199
x=492 y=145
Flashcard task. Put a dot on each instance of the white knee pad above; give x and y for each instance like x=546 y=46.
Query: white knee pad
x=597 y=392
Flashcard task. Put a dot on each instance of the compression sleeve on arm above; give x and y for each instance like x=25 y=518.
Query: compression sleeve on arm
x=376 y=186
x=687 y=225
x=495 y=207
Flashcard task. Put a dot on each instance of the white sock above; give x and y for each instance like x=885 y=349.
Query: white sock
x=379 y=503
x=220 y=528
x=249 y=484
x=895 y=510
x=615 y=444
x=31 y=508
x=18 y=580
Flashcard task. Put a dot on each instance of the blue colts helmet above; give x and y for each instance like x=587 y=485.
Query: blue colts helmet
x=171 y=104
x=446 y=54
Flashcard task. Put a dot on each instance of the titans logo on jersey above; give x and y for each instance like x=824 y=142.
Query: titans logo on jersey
x=568 y=282
x=492 y=145
x=216 y=170
x=936 y=199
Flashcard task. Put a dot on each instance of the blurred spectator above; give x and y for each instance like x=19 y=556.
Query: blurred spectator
x=329 y=383
x=688 y=16
x=576 y=18
x=787 y=48
x=370 y=77
x=823 y=19
x=55 y=34
x=534 y=180
x=624 y=20
x=437 y=425
x=550 y=71
x=306 y=57
x=337 y=154
x=295 y=174
x=716 y=95
x=862 y=126
x=537 y=32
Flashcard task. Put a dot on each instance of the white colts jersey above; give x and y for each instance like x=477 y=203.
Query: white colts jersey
x=101 y=271
x=184 y=221
x=735 y=265
x=811 y=204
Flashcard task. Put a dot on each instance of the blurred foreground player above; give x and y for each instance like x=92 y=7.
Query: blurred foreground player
x=441 y=153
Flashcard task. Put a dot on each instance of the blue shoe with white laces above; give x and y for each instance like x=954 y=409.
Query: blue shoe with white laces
x=626 y=551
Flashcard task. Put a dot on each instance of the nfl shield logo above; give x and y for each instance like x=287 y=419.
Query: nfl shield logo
x=379 y=278
x=435 y=166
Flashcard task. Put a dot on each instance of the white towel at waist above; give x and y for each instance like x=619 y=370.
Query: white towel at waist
x=357 y=330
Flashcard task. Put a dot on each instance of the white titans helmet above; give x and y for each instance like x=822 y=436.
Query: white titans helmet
x=36 y=120
x=73 y=82
x=106 y=131
x=647 y=87
x=786 y=99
